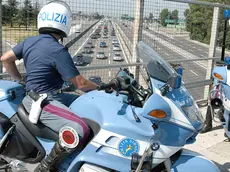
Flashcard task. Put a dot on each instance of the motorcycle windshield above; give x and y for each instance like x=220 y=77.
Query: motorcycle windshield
x=161 y=70
x=157 y=67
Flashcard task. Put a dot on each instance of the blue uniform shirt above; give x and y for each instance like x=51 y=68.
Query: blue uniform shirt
x=48 y=63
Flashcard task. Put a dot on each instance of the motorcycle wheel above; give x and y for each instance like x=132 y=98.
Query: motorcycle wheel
x=5 y=166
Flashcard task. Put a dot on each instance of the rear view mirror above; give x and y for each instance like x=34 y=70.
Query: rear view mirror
x=174 y=81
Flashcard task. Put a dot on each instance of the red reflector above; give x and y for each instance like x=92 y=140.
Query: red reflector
x=68 y=137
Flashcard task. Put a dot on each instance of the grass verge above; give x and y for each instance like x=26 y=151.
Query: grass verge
x=15 y=35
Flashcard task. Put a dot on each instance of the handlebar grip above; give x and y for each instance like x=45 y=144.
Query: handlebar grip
x=106 y=86
x=35 y=96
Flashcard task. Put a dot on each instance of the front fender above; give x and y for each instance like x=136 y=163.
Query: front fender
x=190 y=161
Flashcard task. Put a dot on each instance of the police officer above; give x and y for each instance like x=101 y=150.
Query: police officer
x=48 y=64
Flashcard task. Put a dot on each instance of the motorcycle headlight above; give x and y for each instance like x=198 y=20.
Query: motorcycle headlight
x=194 y=115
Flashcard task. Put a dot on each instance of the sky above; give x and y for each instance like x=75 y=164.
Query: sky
x=116 y=8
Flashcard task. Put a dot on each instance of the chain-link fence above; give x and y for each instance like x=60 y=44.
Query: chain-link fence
x=106 y=32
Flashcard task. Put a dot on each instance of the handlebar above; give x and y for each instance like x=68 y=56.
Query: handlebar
x=121 y=84
x=106 y=86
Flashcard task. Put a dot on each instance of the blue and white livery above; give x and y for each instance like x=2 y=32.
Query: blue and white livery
x=132 y=129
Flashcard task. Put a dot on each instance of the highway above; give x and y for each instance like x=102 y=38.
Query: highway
x=193 y=71
x=170 y=48
x=105 y=74
x=84 y=25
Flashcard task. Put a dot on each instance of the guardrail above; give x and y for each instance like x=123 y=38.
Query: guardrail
x=192 y=86
x=70 y=43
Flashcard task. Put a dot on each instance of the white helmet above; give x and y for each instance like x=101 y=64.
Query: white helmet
x=55 y=17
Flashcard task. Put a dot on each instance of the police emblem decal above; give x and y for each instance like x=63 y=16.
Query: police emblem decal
x=128 y=146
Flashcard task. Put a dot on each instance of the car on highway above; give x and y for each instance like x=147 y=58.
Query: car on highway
x=115 y=41
x=90 y=43
x=116 y=48
x=95 y=36
x=113 y=33
x=117 y=57
x=77 y=31
x=102 y=44
x=79 y=60
x=105 y=36
x=100 y=55
x=98 y=30
x=87 y=49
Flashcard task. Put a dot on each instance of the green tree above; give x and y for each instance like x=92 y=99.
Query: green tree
x=25 y=15
x=187 y=21
x=174 y=16
x=12 y=6
x=35 y=13
x=151 y=17
x=5 y=14
x=163 y=16
x=198 y=20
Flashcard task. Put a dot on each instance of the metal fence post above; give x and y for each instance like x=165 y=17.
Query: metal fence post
x=137 y=36
x=0 y=34
x=212 y=48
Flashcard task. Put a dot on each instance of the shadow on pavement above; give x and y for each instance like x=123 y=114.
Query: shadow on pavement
x=223 y=167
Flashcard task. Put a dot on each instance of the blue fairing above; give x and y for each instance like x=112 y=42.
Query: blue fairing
x=91 y=154
x=172 y=135
x=152 y=105
x=226 y=90
x=182 y=99
x=193 y=162
x=221 y=70
x=112 y=113
x=8 y=103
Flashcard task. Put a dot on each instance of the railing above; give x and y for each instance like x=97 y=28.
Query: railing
x=171 y=35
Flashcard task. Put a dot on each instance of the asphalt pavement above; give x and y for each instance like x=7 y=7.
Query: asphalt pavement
x=105 y=74
x=212 y=144
x=193 y=71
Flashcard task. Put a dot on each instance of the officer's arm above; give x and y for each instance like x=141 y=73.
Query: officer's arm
x=8 y=60
x=83 y=84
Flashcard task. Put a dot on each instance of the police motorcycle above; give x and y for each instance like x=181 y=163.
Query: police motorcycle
x=219 y=96
x=132 y=128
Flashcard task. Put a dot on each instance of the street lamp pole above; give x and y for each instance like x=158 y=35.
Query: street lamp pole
x=226 y=18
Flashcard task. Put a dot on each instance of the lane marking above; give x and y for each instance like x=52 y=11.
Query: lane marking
x=85 y=41
x=119 y=40
x=194 y=72
x=177 y=49
x=167 y=54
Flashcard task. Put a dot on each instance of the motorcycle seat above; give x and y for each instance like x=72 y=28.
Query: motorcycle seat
x=39 y=129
